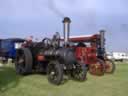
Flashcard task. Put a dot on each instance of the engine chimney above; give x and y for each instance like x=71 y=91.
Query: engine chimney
x=102 y=43
x=66 y=24
x=102 y=38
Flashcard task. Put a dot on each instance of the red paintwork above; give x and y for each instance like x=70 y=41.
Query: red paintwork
x=40 y=58
x=85 y=39
x=87 y=55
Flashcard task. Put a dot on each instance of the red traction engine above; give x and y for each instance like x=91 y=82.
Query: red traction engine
x=90 y=50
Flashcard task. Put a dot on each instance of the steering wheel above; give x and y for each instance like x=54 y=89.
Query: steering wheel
x=56 y=39
x=47 y=42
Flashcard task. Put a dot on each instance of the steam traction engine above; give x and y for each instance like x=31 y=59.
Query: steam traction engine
x=51 y=56
x=91 y=51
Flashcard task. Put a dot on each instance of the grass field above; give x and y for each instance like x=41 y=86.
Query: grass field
x=37 y=85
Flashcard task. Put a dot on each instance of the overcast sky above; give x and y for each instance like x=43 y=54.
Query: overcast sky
x=40 y=18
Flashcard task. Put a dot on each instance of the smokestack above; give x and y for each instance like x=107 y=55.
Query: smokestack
x=102 y=38
x=66 y=24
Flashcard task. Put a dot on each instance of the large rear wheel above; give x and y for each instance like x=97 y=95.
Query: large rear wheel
x=23 y=62
x=55 y=72
x=98 y=68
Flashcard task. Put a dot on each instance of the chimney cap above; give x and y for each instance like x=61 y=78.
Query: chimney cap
x=102 y=30
x=66 y=19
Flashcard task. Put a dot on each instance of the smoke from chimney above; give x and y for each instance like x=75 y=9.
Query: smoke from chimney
x=52 y=7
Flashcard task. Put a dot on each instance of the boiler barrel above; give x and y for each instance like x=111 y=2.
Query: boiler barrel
x=64 y=55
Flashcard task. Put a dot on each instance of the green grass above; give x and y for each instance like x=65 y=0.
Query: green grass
x=37 y=85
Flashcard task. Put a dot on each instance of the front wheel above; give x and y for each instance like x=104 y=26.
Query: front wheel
x=80 y=72
x=55 y=72
x=98 y=68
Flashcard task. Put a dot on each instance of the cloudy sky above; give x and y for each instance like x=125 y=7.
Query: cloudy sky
x=40 y=18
